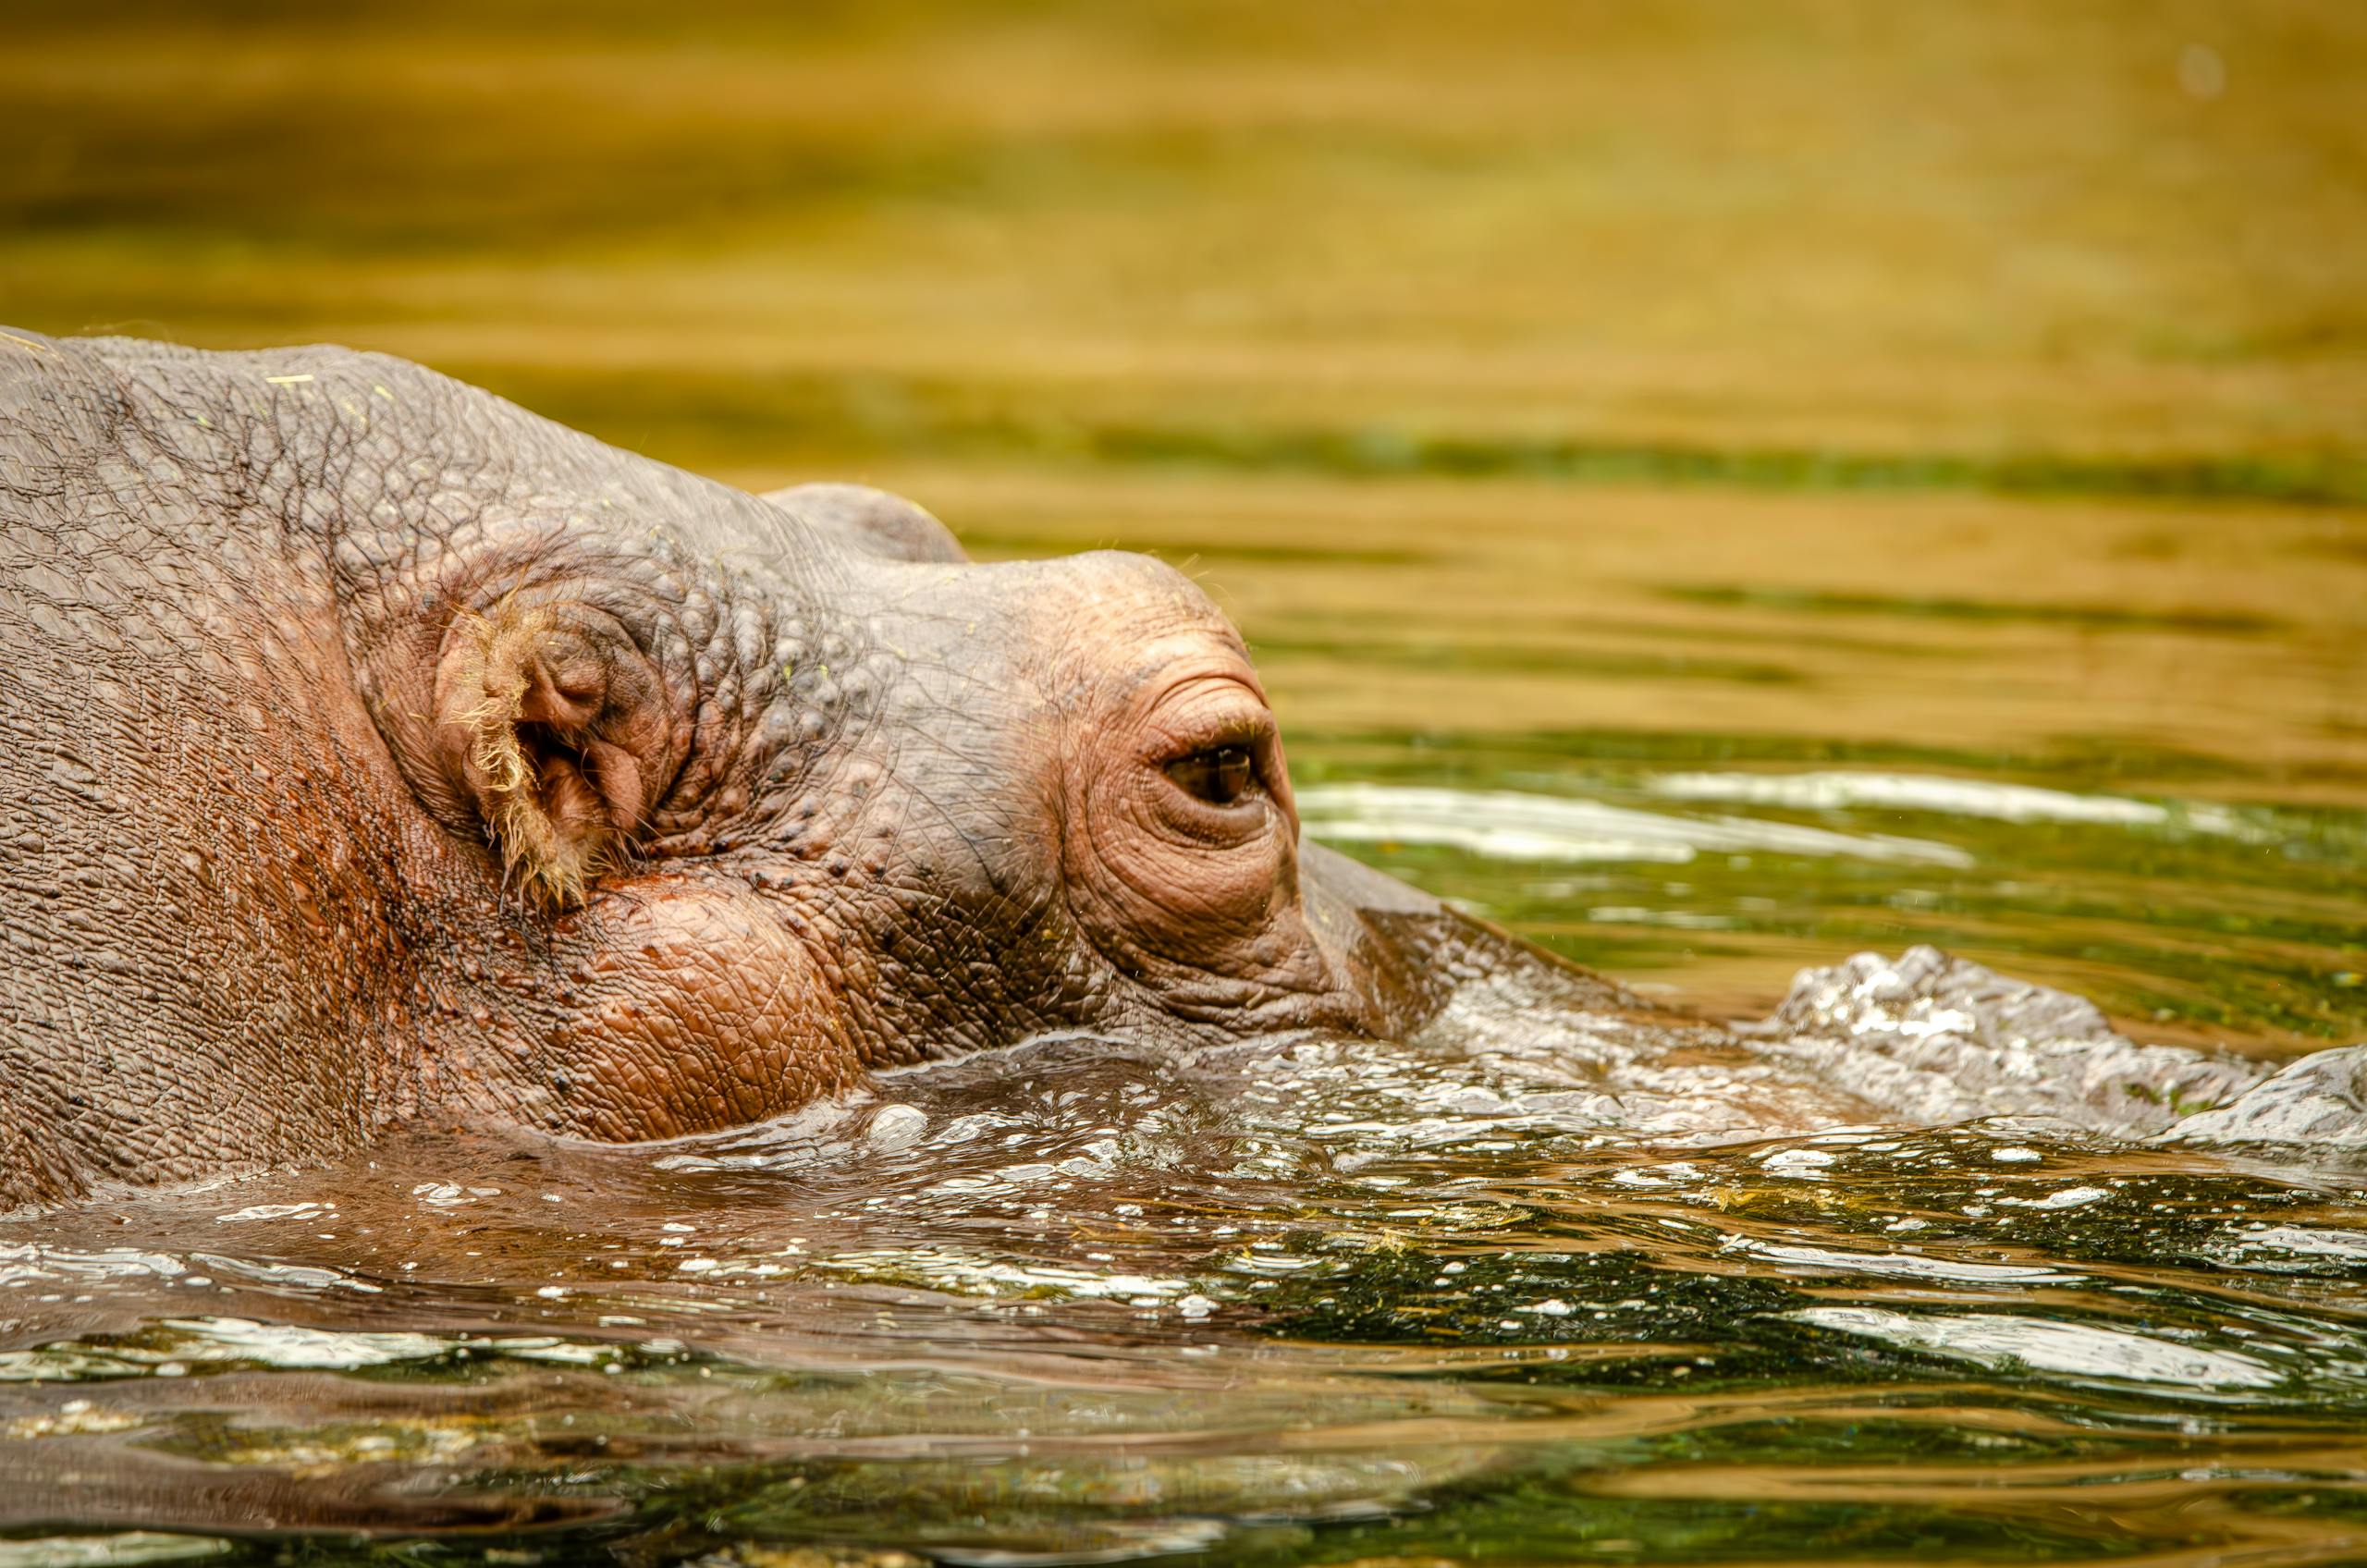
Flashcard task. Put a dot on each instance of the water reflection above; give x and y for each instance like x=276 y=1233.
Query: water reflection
x=1509 y=826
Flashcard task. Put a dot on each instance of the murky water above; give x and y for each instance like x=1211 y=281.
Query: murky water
x=1713 y=488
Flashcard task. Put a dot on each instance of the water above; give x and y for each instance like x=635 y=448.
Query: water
x=2191 y=916
x=1308 y=1299
x=1715 y=489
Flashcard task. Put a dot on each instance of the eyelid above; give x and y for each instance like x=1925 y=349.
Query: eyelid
x=1243 y=726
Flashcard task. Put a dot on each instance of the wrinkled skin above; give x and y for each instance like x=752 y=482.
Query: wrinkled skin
x=370 y=748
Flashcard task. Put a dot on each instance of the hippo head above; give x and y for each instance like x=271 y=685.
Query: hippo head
x=770 y=791
x=374 y=747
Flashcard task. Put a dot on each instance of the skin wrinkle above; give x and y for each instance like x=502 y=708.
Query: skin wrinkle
x=858 y=839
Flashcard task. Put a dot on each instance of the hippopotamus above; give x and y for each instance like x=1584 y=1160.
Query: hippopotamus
x=372 y=748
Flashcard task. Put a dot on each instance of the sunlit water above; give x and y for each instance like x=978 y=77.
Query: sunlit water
x=1530 y=1293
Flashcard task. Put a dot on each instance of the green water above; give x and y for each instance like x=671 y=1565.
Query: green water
x=1129 y=1321
x=2252 y=922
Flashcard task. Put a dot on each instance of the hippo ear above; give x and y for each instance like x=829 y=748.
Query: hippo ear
x=871 y=522
x=554 y=726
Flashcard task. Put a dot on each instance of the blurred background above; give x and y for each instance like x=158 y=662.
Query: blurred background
x=1715 y=486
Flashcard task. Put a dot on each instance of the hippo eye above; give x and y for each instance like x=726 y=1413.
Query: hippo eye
x=1220 y=776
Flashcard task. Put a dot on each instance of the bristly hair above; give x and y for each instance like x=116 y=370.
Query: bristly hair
x=545 y=865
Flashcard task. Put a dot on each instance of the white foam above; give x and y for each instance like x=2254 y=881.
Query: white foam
x=2077 y=1349
x=946 y=1270
x=1895 y=1265
x=107 y=1551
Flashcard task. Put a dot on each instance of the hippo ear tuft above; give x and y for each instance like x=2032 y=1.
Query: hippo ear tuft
x=547 y=723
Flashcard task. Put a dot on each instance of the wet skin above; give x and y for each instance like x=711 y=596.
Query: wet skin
x=370 y=747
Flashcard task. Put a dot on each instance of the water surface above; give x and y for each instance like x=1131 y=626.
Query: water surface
x=1070 y=1305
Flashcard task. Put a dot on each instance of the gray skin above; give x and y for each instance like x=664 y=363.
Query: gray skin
x=373 y=749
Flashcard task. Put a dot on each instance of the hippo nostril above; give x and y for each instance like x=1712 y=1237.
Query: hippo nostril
x=1222 y=776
